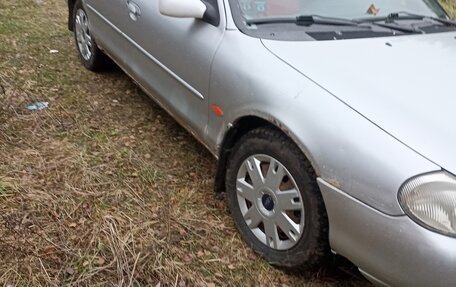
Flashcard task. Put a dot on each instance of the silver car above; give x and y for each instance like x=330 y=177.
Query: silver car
x=333 y=122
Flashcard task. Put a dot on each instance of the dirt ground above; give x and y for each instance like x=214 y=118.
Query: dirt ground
x=103 y=188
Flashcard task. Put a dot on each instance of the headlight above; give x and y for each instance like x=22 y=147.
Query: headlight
x=430 y=200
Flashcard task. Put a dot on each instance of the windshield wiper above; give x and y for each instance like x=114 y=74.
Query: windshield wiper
x=390 y=23
x=389 y=20
x=304 y=20
x=411 y=16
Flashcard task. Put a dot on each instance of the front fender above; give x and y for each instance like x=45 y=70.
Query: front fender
x=346 y=149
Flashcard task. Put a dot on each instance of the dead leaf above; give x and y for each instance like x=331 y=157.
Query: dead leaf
x=188 y=259
x=182 y=232
x=100 y=261
x=283 y=279
x=252 y=256
x=373 y=10
x=49 y=249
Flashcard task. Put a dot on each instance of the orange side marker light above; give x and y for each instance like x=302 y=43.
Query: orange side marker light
x=217 y=110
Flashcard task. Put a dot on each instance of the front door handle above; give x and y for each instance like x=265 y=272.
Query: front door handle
x=133 y=10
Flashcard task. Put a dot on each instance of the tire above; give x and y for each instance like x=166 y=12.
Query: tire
x=89 y=54
x=288 y=192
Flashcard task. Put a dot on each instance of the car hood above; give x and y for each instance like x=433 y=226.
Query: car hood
x=405 y=85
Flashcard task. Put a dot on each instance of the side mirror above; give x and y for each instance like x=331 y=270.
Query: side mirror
x=183 y=8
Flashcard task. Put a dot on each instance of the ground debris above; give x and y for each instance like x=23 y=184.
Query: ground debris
x=104 y=188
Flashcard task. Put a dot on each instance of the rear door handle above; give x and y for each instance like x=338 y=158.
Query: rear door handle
x=133 y=10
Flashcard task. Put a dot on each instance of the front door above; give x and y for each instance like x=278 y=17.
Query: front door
x=173 y=59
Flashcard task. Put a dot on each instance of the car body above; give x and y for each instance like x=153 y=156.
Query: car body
x=368 y=113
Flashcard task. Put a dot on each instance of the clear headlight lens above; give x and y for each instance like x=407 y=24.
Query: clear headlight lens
x=430 y=199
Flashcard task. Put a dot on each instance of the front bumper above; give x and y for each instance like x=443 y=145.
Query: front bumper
x=390 y=250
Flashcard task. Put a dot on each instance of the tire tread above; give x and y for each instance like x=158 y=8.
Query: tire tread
x=99 y=61
x=317 y=247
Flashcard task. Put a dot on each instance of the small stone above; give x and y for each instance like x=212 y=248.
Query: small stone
x=69 y=271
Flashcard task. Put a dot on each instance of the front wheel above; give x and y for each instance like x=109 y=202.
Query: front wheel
x=275 y=201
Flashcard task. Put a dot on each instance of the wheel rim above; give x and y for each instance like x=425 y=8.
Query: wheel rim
x=270 y=202
x=83 y=38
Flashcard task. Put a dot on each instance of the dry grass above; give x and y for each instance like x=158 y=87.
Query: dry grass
x=450 y=6
x=104 y=188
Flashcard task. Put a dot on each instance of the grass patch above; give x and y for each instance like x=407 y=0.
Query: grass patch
x=450 y=7
x=106 y=189
x=3 y=188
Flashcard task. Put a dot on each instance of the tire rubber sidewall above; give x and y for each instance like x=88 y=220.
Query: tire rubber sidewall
x=97 y=60
x=312 y=246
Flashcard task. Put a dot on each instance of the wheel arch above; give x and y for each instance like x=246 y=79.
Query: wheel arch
x=240 y=127
x=71 y=4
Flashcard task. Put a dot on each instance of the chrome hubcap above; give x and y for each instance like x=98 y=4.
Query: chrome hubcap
x=270 y=202
x=83 y=38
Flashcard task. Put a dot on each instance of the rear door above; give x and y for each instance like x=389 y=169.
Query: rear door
x=108 y=20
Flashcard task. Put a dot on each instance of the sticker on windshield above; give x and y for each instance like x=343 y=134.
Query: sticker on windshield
x=264 y=8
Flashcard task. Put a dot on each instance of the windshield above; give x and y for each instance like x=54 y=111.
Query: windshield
x=351 y=9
